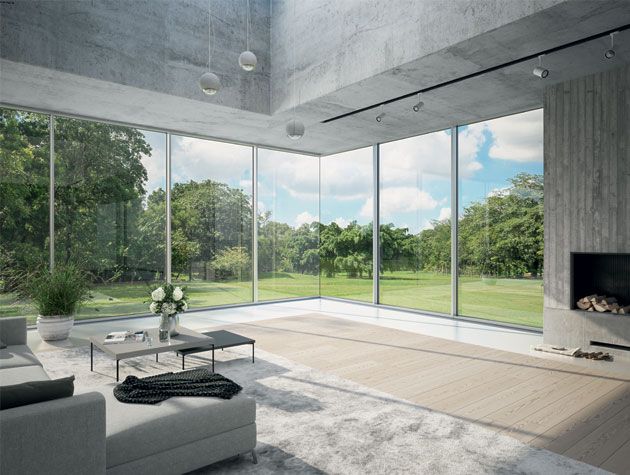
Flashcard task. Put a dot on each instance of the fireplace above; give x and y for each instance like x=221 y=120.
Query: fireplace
x=602 y=274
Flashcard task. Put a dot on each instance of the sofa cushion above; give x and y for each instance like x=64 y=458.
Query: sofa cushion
x=32 y=392
x=135 y=431
x=22 y=374
x=14 y=356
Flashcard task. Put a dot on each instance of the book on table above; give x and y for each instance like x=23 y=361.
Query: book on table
x=123 y=337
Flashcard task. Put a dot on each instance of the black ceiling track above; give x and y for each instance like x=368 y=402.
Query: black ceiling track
x=481 y=72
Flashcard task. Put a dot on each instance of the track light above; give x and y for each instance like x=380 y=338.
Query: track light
x=381 y=116
x=418 y=105
x=610 y=53
x=539 y=71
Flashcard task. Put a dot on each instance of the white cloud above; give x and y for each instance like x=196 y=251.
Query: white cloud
x=400 y=199
x=347 y=176
x=518 y=138
x=445 y=213
x=419 y=160
x=341 y=222
x=197 y=159
x=305 y=218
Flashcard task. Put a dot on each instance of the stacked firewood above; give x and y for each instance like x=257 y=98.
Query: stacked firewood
x=602 y=303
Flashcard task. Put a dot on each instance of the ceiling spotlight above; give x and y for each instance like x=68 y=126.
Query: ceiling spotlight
x=539 y=71
x=295 y=129
x=381 y=116
x=610 y=53
x=209 y=83
x=418 y=105
x=247 y=60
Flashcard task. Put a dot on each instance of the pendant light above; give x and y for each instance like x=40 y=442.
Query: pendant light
x=247 y=60
x=295 y=128
x=210 y=82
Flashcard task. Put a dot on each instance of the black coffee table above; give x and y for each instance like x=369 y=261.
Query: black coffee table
x=219 y=339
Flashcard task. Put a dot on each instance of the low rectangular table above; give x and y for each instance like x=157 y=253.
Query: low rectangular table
x=119 y=351
x=219 y=339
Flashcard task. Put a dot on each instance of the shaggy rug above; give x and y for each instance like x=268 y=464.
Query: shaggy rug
x=310 y=421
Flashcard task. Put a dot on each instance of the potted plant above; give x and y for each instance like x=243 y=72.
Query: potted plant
x=168 y=301
x=57 y=295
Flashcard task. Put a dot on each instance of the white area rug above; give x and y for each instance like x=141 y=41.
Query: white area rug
x=312 y=422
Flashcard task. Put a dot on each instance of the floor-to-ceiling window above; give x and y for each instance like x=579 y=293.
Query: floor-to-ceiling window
x=24 y=203
x=211 y=223
x=288 y=225
x=501 y=219
x=110 y=211
x=346 y=225
x=415 y=231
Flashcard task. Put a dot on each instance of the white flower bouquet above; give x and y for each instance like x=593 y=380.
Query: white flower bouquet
x=168 y=299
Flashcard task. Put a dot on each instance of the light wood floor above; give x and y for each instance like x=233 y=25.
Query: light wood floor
x=578 y=412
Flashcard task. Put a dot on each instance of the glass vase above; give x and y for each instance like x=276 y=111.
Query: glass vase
x=164 y=329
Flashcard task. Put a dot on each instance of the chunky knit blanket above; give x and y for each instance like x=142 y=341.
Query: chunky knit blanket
x=195 y=382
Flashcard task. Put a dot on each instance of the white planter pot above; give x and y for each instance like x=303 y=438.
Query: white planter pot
x=54 y=328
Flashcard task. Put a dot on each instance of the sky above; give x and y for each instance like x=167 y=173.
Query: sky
x=415 y=172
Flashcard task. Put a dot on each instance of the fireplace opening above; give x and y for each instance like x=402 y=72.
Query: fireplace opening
x=599 y=275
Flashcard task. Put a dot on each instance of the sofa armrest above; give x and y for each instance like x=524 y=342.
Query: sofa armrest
x=13 y=330
x=63 y=436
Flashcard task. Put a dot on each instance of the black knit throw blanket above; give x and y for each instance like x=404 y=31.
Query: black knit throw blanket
x=195 y=382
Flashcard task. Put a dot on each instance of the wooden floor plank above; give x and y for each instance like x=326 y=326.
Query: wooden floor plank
x=582 y=412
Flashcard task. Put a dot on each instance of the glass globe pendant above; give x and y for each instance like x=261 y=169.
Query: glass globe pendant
x=209 y=83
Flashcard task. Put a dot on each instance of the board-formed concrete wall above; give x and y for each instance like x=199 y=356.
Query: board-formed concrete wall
x=587 y=174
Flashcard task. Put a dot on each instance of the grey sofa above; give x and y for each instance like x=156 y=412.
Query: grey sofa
x=94 y=433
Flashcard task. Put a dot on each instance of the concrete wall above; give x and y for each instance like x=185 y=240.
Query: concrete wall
x=339 y=43
x=587 y=174
x=157 y=45
x=587 y=199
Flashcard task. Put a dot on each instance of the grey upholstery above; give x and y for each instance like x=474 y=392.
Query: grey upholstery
x=137 y=430
x=65 y=436
x=92 y=433
x=22 y=374
x=14 y=356
x=191 y=456
x=13 y=330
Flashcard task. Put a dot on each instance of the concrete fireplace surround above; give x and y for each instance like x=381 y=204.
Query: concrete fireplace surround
x=587 y=200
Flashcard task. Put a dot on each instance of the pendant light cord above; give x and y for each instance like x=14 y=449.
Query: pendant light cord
x=247 y=27
x=293 y=46
x=210 y=34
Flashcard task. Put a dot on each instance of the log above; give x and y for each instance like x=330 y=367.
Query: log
x=609 y=300
x=591 y=309
x=584 y=305
x=597 y=298
x=624 y=310
x=600 y=307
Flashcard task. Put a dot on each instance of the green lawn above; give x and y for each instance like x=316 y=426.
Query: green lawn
x=516 y=301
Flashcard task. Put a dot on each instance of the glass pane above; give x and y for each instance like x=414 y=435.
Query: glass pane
x=24 y=205
x=211 y=226
x=346 y=229
x=415 y=229
x=501 y=219
x=288 y=204
x=110 y=211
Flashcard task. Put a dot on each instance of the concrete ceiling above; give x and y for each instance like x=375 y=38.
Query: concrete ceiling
x=52 y=79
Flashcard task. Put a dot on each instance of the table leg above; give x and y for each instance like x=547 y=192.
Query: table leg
x=91 y=356
x=252 y=352
x=183 y=358
x=213 y=358
x=117 y=368
x=156 y=357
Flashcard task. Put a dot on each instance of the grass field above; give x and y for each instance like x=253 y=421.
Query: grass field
x=517 y=301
